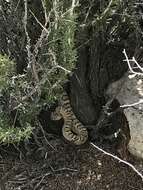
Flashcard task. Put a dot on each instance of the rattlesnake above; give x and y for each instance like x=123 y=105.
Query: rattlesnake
x=72 y=130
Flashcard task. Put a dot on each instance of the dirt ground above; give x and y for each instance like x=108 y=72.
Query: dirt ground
x=66 y=167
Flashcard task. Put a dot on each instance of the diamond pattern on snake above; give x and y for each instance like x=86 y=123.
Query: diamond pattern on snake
x=73 y=130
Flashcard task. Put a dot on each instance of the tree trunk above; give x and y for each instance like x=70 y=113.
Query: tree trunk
x=100 y=62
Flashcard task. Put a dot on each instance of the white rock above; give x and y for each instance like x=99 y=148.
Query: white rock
x=129 y=91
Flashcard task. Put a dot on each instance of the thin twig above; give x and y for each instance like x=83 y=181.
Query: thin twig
x=15 y=118
x=134 y=60
x=55 y=64
x=17 y=5
x=42 y=26
x=38 y=184
x=45 y=137
x=45 y=10
x=74 y=4
x=129 y=65
x=64 y=69
x=63 y=169
x=28 y=46
x=132 y=105
x=31 y=57
x=134 y=73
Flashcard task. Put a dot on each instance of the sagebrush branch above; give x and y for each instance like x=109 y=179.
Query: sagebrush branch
x=130 y=67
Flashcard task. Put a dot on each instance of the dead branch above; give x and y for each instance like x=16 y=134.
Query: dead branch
x=130 y=67
x=125 y=106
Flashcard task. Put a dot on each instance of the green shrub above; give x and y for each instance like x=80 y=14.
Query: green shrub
x=6 y=71
x=21 y=97
x=59 y=50
x=10 y=95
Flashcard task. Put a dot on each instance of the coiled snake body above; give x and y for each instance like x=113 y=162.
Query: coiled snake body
x=73 y=131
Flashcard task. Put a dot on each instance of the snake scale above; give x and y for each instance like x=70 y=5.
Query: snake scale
x=72 y=130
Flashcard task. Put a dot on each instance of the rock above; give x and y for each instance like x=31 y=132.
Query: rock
x=128 y=91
